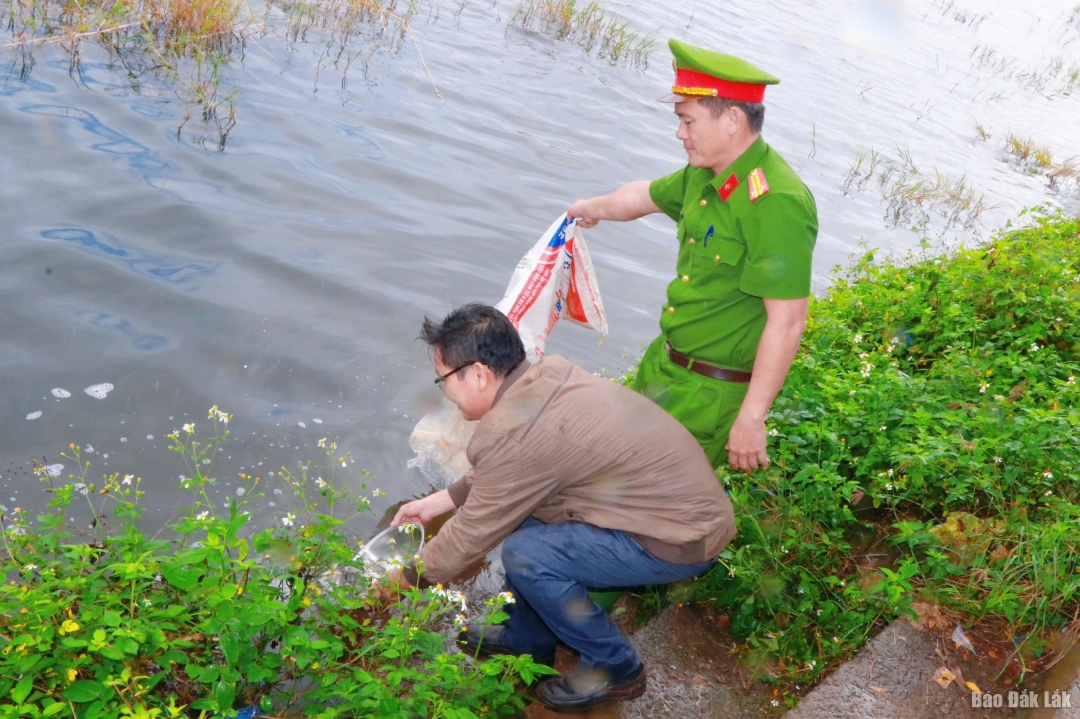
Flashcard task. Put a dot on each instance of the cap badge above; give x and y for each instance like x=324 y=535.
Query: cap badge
x=728 y=187
x=758 y=186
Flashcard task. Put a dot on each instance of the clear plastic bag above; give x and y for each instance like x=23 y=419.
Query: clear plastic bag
x=440 y=439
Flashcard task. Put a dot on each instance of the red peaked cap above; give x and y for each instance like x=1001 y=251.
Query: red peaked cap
x=704 y=73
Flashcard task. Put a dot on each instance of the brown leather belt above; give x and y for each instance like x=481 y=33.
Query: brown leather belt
x=706 y=369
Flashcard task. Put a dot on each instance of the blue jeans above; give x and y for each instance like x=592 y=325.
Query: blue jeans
x=551 y=567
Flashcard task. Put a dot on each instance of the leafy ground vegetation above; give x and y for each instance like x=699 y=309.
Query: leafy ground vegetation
x=216 y=618
x=925 y=447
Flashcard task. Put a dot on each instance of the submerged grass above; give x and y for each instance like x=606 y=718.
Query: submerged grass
x=185 y=42
x=911 y=195
x=1054 y=78
x=589 y=25
x=1039 y=159
x=188 y=44
x=933 y=408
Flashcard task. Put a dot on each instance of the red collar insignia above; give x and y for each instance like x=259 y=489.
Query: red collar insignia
x=728 y=187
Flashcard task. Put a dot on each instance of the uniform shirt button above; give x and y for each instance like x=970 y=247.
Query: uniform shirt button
x=686 y=278
x=691 y=240
x=671 y=310
x=704 y=202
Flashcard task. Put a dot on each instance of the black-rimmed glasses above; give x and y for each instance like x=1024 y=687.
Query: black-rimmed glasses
x=440 y=380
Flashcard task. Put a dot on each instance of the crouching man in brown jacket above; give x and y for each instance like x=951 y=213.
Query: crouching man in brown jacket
x=586 y=483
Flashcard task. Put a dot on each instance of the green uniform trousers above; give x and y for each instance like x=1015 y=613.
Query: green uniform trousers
x=705 y=406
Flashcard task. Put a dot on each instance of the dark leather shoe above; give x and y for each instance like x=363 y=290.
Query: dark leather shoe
x=578 y=691
x=486 y=640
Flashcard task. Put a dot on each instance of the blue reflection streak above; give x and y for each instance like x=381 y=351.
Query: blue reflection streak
x=144 y=341
x=27 y=83
x=138 y=155
x=152 y=265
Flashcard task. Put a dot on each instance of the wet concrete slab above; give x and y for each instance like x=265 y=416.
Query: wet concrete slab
x=896 y=677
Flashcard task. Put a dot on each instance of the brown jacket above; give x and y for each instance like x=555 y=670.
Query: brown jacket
x=563 y=445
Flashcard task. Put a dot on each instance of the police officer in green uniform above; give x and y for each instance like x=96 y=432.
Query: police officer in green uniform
x=747 y=225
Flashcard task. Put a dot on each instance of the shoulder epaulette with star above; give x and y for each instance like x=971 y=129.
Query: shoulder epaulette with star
x=759 y=187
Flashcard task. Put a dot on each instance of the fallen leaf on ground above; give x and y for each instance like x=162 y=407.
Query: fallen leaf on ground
x=973 y=687
x=879 y=690
x=944 y=677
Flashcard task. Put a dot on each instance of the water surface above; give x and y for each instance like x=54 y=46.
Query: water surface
x=284 y=278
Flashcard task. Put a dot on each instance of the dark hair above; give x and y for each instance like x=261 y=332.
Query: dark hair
x=754 y=111
x=475 y=333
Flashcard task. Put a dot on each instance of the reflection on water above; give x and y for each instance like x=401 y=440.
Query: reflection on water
x=150 y=264
x=285 y=278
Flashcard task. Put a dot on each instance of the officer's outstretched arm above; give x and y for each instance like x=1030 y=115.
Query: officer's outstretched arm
x=629 y=202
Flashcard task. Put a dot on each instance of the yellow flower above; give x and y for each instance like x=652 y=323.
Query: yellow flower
x=72 y=673
x=69 y=626
x=306 y=602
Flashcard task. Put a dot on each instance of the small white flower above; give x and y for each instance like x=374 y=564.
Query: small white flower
x=146 y=602
x=30 y=567
x=127 y=478
x=189 y=428
x=1048 y=475
x=851 y=393
x=998 y=460
x=889 y=487
x=1048 y=492
x=322 y=442
x=507 y=597
x=1071 y=382
x=857 y=339
x=1035 y=348
x=999 y=397
x=202 y=516
x=773 y=432
x=289 y=519
x=983 y=388
x=882 y=428
x=775 y=702
x=319 y=481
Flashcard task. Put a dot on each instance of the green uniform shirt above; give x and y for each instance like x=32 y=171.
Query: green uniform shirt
x=733 y=253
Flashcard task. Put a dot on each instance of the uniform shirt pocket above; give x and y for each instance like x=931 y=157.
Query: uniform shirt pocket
x=726 y=252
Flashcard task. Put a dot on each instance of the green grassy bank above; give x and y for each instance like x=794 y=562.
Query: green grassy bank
x=925 y=446
x=117 y=622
